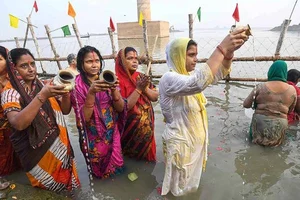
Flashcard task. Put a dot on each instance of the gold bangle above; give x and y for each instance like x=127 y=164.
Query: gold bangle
x=138 y=91
x=39 y=98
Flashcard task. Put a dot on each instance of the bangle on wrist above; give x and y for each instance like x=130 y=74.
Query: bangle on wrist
x=223 y=53
x=138 y=91
x=38 y=96
x=89 y=105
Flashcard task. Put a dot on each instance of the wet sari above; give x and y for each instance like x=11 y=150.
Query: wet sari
x=101 y=146
x=138 y=137
x=9 y=162
x=44 y=147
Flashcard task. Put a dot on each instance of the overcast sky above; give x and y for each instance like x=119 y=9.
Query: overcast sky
x=93 y=15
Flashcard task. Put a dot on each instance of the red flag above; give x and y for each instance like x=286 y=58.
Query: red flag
x=236 y=14
x=35 y=6
x=112 y=26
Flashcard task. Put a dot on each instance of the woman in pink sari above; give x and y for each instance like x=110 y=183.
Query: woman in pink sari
x=100 y=115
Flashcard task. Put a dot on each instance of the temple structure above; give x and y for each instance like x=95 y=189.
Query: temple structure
x=133 y=30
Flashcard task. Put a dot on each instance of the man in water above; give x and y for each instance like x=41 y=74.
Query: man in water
x=72 y=64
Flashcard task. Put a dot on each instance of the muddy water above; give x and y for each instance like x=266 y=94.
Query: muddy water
x=236 y=169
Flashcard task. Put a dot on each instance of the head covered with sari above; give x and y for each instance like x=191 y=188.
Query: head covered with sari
x=278 y=71
x=44 y=126
x=176 y=59
x=124 y=75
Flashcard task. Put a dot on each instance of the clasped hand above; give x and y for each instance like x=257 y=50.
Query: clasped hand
x=142 y=82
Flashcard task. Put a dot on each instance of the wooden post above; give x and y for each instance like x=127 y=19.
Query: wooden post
x=77 y=35
x=17 y=42
x=191 y=21
x=111 y=36
x=35 y=42
x=52 y=46
x=26 y=35
x=284 y=27
x=146 y=45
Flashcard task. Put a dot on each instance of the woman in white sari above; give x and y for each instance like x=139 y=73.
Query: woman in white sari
x=185 y=138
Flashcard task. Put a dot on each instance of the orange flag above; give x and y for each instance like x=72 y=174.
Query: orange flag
x=71 y=11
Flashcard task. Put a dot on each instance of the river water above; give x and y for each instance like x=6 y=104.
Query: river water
x=236 y=169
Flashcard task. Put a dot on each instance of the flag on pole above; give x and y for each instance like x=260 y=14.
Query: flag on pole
x=141 y=19
x=66 y=30
x=199 y=14
x=14 y=21
x=236 y=14
x=35 y=6
x=111 y=25
x=71 y=11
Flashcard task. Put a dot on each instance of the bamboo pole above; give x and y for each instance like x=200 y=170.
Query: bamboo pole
x=153 y=49
x=77 y=35
x=35 y=42
x=26 y=35
x=284 y=27
x=111 y=36
x=200 y=60
x=52 y=46
x=191 y=21
x=17 y=42
x=146 y=44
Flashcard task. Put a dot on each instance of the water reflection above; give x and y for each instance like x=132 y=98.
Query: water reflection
x=261 y=168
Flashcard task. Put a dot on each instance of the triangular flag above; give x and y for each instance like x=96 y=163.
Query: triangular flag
x=66 y=30
x=236 y=14
x=35 y=6
x=71 y=11
x=14 y=21
x=111 y=25
x=141 y=19
x=199 y=14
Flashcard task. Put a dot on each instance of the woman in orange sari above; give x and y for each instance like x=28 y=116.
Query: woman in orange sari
x=39 y=135
x=138 y=137
x=8 y=159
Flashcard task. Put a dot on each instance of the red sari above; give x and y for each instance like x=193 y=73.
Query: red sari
x=138 y=137
x=293 y=116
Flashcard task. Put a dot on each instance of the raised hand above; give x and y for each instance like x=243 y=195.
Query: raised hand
x=234 y=41
x=50 y=90
x=142 y=82
x=99 y=85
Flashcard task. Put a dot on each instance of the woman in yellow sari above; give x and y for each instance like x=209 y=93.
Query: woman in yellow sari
x=185 y=138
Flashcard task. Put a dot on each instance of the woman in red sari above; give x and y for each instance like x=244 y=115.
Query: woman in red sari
x=8 y=159
x=138 y=137
x=293 y=78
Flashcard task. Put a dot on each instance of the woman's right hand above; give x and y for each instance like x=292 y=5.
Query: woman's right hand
x=99 y=85
x=142 y=82
x=234 y=41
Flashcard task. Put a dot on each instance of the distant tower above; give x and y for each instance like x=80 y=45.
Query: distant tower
x=144 y=7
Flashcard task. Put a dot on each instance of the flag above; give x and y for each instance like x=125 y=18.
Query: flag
x=71 y=11
x=141 y=19
x=199 y=14
x=236 y=14
x=35 y=6
x=14 y=21
x=111 y=25
x=66 y=30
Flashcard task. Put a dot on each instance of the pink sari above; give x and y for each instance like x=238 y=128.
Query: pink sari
x=102 y=146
